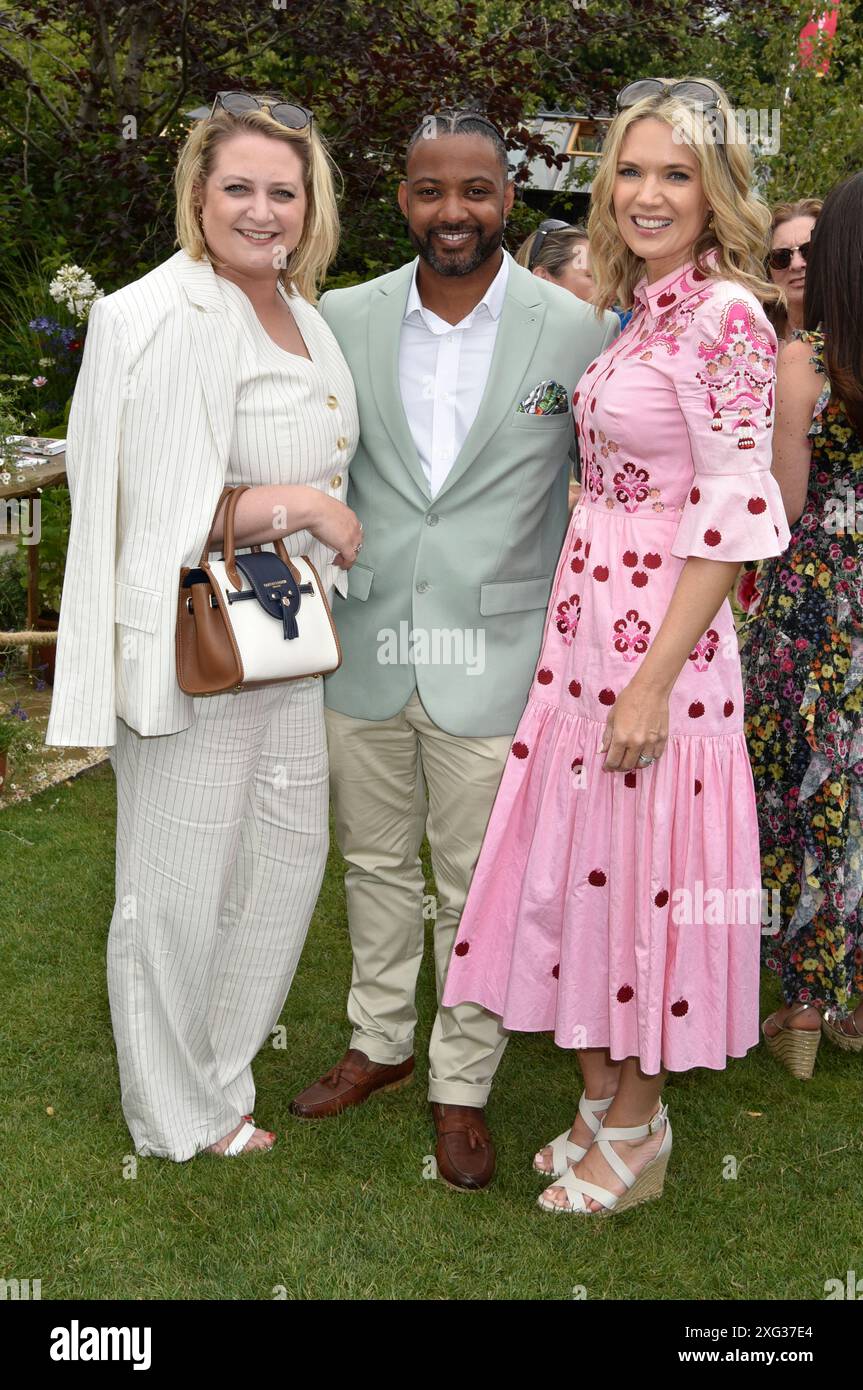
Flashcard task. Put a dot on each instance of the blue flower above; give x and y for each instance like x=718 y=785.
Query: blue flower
x=44 y=325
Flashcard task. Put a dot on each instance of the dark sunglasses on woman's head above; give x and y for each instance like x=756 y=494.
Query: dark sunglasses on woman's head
x=288 y=115
x=780 y=259
x=551 y=224
x=696 y=92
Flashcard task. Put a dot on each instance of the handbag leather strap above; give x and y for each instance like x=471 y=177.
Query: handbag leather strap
x=233 y=494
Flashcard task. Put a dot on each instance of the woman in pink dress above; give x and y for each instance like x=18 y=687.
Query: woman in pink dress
x=617 y=898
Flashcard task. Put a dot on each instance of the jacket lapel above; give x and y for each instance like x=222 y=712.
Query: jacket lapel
x=213 y=342
x=518 y=333
x=385 y=326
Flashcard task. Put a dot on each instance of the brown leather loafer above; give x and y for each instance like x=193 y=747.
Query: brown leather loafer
x=350 y=1082
x=465 y=1150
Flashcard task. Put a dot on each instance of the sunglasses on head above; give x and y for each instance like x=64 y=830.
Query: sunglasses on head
x=288 y=115
x=780 y=259
x=551 y=224
x=698 y=93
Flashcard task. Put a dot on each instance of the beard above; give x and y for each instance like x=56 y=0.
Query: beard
x=453 y=262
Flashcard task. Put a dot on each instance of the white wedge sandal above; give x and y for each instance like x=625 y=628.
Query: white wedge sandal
x=563 y=1152
x=642 y=1187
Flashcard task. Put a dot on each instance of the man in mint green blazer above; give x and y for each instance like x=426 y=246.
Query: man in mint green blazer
x=464 y=365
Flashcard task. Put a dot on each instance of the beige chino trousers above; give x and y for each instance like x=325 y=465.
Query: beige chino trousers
x=390 y=781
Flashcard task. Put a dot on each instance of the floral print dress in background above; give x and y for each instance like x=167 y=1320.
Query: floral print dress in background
x=803 y=664
x=606 y=906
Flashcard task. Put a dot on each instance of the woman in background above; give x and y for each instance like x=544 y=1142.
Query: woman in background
x=804 y=659
x=559 y=252
x=790 y=232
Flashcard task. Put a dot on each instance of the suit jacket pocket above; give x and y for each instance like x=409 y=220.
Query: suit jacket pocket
x=138 y=608
x=360 y=581
x=514 y=595
x=540 y=423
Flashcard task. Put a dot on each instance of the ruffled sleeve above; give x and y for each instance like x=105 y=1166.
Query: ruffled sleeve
x=725 y=388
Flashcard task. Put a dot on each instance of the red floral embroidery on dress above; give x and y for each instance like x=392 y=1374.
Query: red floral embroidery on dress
x=568 y=614
x=738 y=375
x=631 y=486
x=705 y=649
x=631 y=636
x=594 y=476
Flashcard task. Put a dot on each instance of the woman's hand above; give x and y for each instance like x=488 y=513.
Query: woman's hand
x=338 y=528
x=637 y=724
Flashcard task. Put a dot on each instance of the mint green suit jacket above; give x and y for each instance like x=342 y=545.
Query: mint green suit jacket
x=449 y=594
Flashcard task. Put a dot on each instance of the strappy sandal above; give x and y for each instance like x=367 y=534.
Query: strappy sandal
x=239 y=1142
x=640 y=1187
x=849 y=1042
x=563 y=1152
x=795 y=1048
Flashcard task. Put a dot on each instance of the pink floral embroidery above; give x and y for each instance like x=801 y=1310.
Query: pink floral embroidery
x=705 y=649
x=568 y=614
x=607 y=446
x=670 y=326
x=738 y=375
x=631 y=636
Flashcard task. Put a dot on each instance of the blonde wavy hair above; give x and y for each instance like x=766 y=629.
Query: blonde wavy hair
x=309 y=261
x=740 y=221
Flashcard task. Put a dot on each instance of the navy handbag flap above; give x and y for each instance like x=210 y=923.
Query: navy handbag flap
x=274 y=586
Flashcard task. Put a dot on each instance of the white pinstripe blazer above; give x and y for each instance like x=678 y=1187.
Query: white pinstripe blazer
x=148 y=443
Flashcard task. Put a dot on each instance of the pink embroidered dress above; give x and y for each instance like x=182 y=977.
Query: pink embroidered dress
x=623 y=910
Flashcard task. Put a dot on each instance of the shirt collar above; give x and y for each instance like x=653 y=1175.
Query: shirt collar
x=673 y=288
x=492 y=300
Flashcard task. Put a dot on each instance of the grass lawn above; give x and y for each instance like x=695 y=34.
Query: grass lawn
x=341 y=1208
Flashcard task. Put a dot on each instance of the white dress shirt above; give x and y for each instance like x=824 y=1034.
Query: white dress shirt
x=443 y=370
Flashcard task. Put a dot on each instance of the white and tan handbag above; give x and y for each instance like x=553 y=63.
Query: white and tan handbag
x=254 y=619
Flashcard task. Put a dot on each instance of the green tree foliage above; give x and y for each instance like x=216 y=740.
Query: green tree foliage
x=94 y=96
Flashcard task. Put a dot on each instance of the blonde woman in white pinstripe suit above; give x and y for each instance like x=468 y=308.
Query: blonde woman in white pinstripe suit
x=214 y=368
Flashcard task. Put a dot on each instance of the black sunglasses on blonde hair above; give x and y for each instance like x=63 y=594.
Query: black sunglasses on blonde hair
x=288 y=115
x=551 y=224
x=698 y=93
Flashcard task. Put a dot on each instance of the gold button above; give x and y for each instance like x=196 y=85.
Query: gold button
x=341 y=442
x=336 y=481
x=332 y=402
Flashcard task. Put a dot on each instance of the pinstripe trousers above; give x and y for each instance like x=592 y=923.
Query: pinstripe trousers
x=221 y=846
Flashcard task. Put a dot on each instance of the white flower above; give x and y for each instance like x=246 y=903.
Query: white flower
x=46 y=362
x=40 y=381
x=75 y=288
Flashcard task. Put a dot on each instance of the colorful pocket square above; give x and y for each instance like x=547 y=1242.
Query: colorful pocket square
x=548 y=398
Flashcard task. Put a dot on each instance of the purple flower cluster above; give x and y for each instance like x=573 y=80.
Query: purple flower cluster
x=51 y=329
